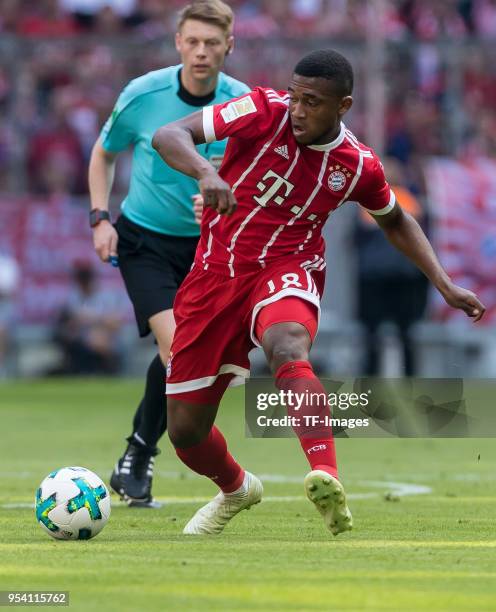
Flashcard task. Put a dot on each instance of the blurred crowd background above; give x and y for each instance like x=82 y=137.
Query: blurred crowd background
x=62 y=63
x=425 y=90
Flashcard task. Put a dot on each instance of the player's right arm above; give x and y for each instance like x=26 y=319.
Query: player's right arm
x=248 y=118
x=176 y=144
x=100 y=179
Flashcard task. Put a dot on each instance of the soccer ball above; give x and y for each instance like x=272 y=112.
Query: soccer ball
x=72 y=503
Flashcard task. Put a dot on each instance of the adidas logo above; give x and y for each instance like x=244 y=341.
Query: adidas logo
x=283 y=150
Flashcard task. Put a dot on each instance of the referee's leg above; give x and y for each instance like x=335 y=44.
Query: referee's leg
x=132 y=476
x=153 y=421
x=151 y=283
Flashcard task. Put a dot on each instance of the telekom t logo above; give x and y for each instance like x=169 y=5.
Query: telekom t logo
x=270 y=192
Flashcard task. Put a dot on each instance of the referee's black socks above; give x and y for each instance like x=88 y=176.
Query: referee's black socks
x=150 y=420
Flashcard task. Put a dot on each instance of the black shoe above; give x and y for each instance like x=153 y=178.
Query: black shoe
x=133 y=474
x=148 y=503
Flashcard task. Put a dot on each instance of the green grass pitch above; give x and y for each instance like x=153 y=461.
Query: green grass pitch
x=434 y=550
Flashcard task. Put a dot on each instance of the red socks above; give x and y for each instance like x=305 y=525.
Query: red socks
x=321 y=454
x=211 y=458
x=316 y=440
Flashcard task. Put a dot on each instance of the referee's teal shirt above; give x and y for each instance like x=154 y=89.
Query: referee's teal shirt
x=159 y=197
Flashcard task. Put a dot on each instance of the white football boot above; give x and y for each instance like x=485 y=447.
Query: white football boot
x=328 y=495
x=214 y=516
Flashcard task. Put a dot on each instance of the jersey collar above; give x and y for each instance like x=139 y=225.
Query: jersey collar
x=188 y=98
x=331 y=145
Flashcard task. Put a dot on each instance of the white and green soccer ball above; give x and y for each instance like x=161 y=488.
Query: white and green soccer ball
x=72 y=503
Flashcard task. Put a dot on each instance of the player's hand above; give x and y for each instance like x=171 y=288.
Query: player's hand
x=217 y=194
x=465 y=300
x=197 y=207
x=105 y=240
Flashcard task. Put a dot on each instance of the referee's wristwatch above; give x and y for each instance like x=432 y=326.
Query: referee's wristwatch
x=97 y=215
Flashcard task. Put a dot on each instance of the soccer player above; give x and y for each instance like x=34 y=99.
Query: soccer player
x=156 y=235
x=259 y=267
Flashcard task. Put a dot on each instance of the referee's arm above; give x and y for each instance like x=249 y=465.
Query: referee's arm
x=100 y=178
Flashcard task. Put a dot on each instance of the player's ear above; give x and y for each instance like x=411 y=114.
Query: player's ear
x=345 y=105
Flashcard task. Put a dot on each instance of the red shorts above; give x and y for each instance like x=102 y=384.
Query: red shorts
x=215 y=317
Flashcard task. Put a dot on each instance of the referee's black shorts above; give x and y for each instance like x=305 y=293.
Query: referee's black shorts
x=153 y=265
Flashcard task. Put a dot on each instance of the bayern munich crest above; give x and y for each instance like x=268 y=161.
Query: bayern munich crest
x=337 y=178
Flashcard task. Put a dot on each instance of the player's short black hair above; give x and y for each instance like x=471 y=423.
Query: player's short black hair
x=328 y=64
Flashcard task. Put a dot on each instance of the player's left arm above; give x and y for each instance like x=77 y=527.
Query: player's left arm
x=405 y=234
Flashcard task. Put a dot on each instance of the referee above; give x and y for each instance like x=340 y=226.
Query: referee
x=155 y=236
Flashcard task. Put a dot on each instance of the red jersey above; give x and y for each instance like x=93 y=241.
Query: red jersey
x=285 y=191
